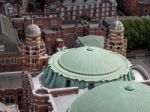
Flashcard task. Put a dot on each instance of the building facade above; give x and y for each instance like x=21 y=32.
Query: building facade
x=143 y=8
x=54 y=28
x=128 y=6
x=34 y=56
x=74 y=9
x=10 y=48
x=115 y=40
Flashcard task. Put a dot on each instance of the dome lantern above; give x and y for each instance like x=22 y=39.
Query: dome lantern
x=116 y=26
x=32 y=30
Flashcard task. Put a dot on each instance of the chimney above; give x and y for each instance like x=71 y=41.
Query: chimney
x=73 y=1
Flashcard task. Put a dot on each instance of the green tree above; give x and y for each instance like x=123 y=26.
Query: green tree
x=31 y=7
x=137 y=33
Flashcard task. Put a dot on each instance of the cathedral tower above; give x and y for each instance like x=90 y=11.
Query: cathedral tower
x=116 y=41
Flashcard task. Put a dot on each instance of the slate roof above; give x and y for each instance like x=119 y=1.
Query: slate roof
x=69 y=3
x=10 y=80
x=8 y=35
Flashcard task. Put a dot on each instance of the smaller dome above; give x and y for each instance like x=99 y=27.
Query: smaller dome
x=116 y=26
x=116 y=96
x=32 y=30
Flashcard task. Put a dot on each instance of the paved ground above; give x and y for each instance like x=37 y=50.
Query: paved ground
x=143 y=61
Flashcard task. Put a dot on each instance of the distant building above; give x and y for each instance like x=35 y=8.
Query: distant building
x=53 y=28
x=10 y=47
x=12 y=90
x=143 y=8
x=74 y=9
x=18 y=94
x=128 y=6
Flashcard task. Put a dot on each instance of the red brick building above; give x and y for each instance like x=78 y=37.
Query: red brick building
x=54 y=28
x=143 y=8
x=34 y=54
x=74 y=9
x=21 y=93
x=10 y=47
x=128 y=6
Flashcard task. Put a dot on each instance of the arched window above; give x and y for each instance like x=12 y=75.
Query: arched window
x=68 y=83
x=91 y=85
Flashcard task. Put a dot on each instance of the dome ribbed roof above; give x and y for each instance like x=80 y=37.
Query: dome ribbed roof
x=32 y=30
x=90 y=61
x=116 y=26
x=114 y=97
x=89 y=64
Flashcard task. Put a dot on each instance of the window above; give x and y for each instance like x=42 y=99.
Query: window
x=39 y=22
x=107 y=13
x=146 y=10
x=68 y=83
x=107 y=9
x=107 y=4
x=103 y=4
x=103 y=9
x=91 y=85
x=19 y=98
x=2 y=48
x=112 y=13
x=97 y=10
x=113 y=8
x=34 y=61
x=4 y=61
x=9 y=100
x=62 y=9
x=102 y=13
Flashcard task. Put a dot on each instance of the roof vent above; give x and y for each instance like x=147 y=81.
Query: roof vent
x=89 y=49
x=130 y=87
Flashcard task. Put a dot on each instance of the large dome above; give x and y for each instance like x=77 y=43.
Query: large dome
x=121 y=96
x=86 y=65
x=117 y=26
x=90 y=61
x=32 y=30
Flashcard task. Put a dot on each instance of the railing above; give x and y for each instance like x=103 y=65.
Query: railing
x=141 y=70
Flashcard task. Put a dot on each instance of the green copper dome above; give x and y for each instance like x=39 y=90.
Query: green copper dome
x=85 y=65
x=114 y=97
x=90 y=61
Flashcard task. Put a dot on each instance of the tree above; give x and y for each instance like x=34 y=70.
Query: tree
x=137 y=33
x=31 y=7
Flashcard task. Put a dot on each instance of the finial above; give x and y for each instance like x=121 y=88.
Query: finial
x=117 y=18
x=32 y=21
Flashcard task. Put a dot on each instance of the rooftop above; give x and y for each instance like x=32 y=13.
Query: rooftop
x=8 y=36
x=118 y=96
x=92 y=40
x=10 y=80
